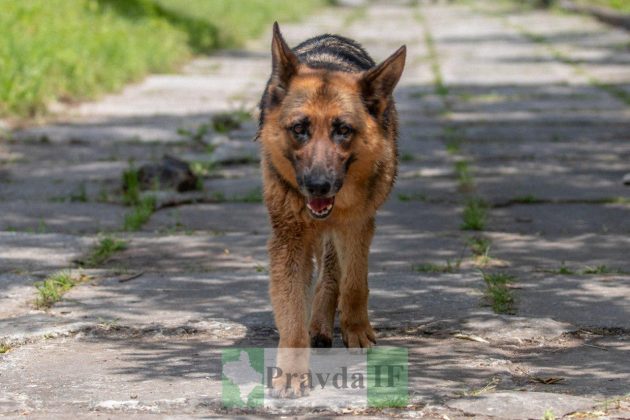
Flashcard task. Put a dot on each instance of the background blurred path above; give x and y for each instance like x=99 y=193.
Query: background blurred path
x=501 y=259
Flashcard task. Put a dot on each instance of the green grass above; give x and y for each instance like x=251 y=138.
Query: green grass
x=389 y=402
x=564 y=270
x=620 y=5
x=253 y=196
x=195 y=135
x=439 y=86
x=498 y=292
x=104 y=249
x=480 y=248
x=4 y=348
x=54 y=286
x=464 y=175
x=453 y=138
x=448 y=267
x=613 y=90
x=474 y=215
x=525 y=199
x=412 y=197
x=79 y=49
x=142 y=207
x=616 y=200
x=202 y=169
x=131 y=186
x=140 y=213
x=407 y=157
x=237 y=21
x=601 y=269
x=229 y=121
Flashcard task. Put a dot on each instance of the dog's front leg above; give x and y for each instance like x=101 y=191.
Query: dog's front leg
x=353 y=246
x=291 y=271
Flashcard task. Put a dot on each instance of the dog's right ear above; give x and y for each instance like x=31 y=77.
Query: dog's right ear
x=284 y=65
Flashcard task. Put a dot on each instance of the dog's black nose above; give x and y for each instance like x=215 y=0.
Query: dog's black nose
x=317 y=186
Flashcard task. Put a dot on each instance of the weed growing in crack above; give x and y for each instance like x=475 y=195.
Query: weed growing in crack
x=229 y=121
x=498 y=292
x=104 y=249
x=51 y=289
x=464 y=175
x=140 y=213
x=448 y=267
x=601 y=269
x=474 y=215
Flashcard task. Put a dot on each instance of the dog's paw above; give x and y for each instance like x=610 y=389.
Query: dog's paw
x=320 y=340
x=294 y=388
x=358 y=335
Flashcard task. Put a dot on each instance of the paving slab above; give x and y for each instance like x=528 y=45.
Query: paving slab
x=523 y=405
x=177 y=370
x=551 y=219
x=546 y=180
x=582 y=300
x=23 y=252
x=192 y=252
x=16 y=293
x=68 y=218
x=172 y=300
x=550 y=253
x=219 y=218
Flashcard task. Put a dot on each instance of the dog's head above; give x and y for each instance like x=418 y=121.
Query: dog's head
x=321 y=123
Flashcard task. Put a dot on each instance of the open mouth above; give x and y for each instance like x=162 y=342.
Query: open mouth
x=320 y=208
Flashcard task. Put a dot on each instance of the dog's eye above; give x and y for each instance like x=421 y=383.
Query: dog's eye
x=298 y=129
x=342 y=130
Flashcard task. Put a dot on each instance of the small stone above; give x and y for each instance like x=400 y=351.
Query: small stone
x=171 y=172
x=626 y=179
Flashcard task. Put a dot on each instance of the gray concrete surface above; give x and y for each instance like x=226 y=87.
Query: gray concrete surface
x=532 y=100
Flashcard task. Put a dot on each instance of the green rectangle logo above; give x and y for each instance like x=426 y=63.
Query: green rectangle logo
x=336 y=378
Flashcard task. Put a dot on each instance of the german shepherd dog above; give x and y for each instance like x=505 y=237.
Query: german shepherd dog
x=328 y=131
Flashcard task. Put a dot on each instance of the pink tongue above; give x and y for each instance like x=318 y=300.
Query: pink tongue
x=319 y=204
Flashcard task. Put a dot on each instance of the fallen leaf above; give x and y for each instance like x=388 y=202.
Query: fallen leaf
x=471 y=337
x=546 y=381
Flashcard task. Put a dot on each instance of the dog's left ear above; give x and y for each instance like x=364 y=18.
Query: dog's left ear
x=284 y=64
x=378 y=83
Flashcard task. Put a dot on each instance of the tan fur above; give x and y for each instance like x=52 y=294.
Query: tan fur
x=339 y=244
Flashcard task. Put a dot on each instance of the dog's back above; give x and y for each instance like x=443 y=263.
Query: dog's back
x=333 y=52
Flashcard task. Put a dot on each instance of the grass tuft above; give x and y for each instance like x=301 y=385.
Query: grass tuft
x=601 y=269
x=4 y=348
x=526 y=199
x=54 y=286
x=474 y=215
x=498 y=292
x=229 y=121
x=412 y=197
x=140 y=213
x=389 y=402
x=106 y=247
x=564 y=270
x=253 y=196
x=464 y=175
x=407 y=157
x=448 y=267
x=479 y=245
x=131 y=187
x=197 y=135
x=453 y=138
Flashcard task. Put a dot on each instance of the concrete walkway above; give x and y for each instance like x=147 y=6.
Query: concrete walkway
x=525 y=112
